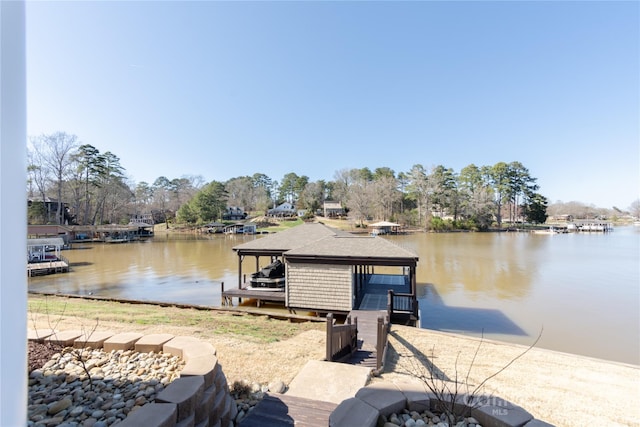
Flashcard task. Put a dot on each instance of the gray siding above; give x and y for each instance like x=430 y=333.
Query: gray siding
x=319 y=286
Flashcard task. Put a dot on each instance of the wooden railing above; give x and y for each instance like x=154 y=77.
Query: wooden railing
x=405 y=304
x=342 y=340
x=381 y=344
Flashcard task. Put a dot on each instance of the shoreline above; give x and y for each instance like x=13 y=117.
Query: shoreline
x=283 y=315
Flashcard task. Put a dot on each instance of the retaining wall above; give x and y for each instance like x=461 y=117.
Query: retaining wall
x=369 y=403
x=199 y=398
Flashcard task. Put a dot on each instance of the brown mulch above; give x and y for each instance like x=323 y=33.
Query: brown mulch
x=40 y=353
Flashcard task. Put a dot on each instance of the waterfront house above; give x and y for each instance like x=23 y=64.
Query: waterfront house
x=283 y=210
x=144 y=224
x=234 y=213
x=46 y=210
x=332 y=209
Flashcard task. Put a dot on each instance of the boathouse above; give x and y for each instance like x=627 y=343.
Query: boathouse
x=333 y=271
x=384 y=227
x=43 y=256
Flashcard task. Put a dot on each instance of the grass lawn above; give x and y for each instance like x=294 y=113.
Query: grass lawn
x=207 y=322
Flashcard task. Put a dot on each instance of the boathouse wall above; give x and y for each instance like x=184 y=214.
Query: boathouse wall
x=323 y=287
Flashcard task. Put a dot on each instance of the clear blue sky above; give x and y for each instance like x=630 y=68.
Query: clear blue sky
x=226 y=89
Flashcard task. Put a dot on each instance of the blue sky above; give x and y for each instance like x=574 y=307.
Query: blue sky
x=226 y=89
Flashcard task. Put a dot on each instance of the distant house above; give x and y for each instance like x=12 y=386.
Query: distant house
x=46 y=210
x=234 y=213
x=146 y=218
x=285 y=209
x=144 y=223
x=332 y=209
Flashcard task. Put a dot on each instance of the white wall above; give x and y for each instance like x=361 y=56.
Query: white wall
x=13 y=214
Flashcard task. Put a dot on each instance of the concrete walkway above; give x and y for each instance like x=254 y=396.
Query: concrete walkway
x=328 y=381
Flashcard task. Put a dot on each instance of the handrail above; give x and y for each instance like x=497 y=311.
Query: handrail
x=342 y=340
x=411 y=304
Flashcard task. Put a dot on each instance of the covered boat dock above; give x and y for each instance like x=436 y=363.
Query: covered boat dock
x=332 y=271
x=44 y=257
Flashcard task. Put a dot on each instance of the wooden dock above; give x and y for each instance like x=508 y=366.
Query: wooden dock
x=247 y=293
x=281 y=410
x=367 y=353
x=47 y=267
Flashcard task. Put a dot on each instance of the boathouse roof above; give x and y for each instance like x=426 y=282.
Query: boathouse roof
x=384 y=224
x=315 y=241
x=354 y=250
x=50 y=241
x=286 y=240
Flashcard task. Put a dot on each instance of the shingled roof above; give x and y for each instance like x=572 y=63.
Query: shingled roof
x=317 y=241
x=291 y=238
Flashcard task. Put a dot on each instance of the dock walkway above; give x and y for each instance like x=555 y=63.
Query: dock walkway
x=47 y=267
x=259 y=295
x=366 y=355
x=281 y=410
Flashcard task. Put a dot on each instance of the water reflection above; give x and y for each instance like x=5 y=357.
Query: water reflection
x=436 y=314
x=503 y=265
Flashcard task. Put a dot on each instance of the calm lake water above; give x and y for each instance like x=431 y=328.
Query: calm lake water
x=582 y=288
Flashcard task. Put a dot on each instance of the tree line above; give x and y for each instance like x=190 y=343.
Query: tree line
x=95 y=189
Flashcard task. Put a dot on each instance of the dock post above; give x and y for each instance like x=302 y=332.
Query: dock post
x=222 y=297
x=379 y=342
x=390 y=304
x=329 y=348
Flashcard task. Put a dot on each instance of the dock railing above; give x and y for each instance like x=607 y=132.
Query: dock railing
x=342 y=340
x=402 y=305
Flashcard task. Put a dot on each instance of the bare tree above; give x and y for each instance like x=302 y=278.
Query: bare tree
x=419 y=191
x=387 y=195
x=342 y=181
x=240 y=192
x=312 y=197
x=54 y=151
x=39 y=177
x=360 y=197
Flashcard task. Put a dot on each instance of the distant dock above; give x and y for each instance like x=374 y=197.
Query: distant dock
x=590 y=225
x=42 y=268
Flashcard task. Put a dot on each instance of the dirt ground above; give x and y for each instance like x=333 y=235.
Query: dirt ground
x=563 y=389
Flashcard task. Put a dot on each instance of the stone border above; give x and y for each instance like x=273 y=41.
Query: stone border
x=378 y=399
x=199 y=398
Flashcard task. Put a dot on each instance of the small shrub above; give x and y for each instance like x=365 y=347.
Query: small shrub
x=239 y=389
